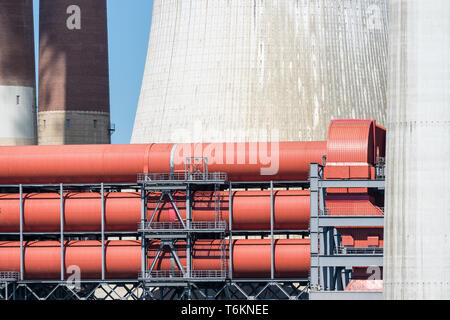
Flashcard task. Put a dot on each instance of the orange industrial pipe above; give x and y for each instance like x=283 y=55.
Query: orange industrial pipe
x=251 y=258
x=350 y=150
x=82 y=211
x=122 y=163
x=251 y=209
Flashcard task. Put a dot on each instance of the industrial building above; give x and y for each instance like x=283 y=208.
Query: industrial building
x=261 y=174
x=74 y=106
x=17 y=80
x=186 y=221
x=250 y=71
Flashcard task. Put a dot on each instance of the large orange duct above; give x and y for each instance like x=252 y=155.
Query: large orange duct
x=251 y=258
x=350 y=149
x=122 y=163
x=82 y=211
x=251 y=209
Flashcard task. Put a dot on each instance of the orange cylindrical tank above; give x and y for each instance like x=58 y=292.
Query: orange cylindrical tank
x=42 y=259
x=82 y=211
x=122 y=163
x=255 y=161
x=251 y=258
x=251 y=209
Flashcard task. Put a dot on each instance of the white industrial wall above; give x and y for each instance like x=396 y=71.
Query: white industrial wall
x=248 y=70
x=417 y=227
x=17 y=115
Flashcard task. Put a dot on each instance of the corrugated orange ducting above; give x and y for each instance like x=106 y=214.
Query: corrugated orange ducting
x=352 y=148
x=251 y=258
x=351 y=141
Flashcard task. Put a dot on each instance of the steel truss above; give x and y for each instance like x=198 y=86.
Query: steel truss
x=331 y=265
x=185 y=283
x=96 y=290
x=230 y=290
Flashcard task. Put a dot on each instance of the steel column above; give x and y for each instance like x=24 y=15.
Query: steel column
x=188 y=235
x=21 y=233
x=272 y=253
x=230 y=229
x=314 y=225
x=143 y=222
x=61 y=199
x=103 y=231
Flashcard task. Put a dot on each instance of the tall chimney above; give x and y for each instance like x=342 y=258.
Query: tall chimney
x=73 y=73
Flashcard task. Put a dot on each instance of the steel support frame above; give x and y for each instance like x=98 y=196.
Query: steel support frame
x=329 y=270
x=228 y=287
x=230 y=290
x=169 y=237
x=223 y=288
x=88 y=290
x=8 y=289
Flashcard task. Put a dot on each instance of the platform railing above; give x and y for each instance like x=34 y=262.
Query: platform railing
x=177 y=225
x=181 y=176
x=9 y=275
x=353 y=211
x=178 y=274
x=369 y=250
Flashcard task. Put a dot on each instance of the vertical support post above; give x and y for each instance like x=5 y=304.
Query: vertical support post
x=103 y=231
x=230 y=230
x=143 y=221
x=188 y=234
x=272 y=251
x=332 y=271
x=325 y=278
x=314 y=225
x=21 y=234
x=61 y=222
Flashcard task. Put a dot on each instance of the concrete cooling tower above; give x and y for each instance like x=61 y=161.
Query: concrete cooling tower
x=73 y=73
x=417 y=223
x=255 y=70
x=17 y=73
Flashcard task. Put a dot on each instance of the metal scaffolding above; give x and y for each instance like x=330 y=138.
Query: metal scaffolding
x=329 y=267
x=330 y=264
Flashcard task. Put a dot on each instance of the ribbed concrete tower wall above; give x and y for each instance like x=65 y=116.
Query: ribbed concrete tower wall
x=73 y=73
x=417 y=227
x=17 y=73
x=245 y=70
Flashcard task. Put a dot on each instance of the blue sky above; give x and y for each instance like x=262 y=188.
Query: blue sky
x=128 y=27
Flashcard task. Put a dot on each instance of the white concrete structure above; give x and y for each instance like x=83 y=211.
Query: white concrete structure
x=417 y=227
x=245 y=70
x=17 y=114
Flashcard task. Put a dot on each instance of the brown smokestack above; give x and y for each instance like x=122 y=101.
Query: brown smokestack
x=73 y=73
x=17 y=73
